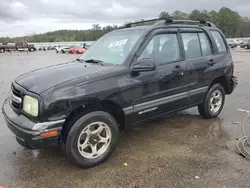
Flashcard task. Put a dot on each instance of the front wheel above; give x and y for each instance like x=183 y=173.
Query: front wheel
x=91 y=139
x=2 y=50
x=213 y=103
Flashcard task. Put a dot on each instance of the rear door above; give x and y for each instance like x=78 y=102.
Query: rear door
x=200 y=62
x=164 y=89
x=222 y=54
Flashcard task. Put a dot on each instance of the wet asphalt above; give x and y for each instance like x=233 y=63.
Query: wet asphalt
x=183 y=150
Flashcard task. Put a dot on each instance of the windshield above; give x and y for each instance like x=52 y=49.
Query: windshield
x=113 y=47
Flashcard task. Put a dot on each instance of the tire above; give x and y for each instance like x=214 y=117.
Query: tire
x=32 y=49
x=2 y=50
x=208 y=103
x=72 y=149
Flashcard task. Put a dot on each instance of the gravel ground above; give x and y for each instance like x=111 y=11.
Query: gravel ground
x=183 y=150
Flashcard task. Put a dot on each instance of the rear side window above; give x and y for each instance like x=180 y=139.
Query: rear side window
x=191 y=45
x=205 y=44
x=219 y=42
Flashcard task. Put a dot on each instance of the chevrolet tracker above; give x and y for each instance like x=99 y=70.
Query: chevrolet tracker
x=128 y=76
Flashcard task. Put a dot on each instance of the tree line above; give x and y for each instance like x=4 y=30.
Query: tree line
x=230 y=22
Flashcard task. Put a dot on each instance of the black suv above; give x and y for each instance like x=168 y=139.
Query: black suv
x=128 y=76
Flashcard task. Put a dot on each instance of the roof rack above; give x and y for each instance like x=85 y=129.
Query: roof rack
x=140 y=22
x=162 y=21
x=190 y=22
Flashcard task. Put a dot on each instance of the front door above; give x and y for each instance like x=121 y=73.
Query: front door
x=164 y=89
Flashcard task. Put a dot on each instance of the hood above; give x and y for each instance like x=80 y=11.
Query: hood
x=40 y=80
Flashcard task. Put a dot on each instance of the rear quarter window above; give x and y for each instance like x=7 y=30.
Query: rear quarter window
x=219 y=42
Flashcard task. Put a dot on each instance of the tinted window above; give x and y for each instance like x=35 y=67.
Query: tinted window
x=191 y=45
x=162 y=48
x=205 y=44
x=219 y=42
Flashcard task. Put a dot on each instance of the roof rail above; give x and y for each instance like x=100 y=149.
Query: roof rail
x=191 y=22
x=162 y=21
x=140 y=22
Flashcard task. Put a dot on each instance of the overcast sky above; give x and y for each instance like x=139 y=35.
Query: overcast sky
x=24 y=17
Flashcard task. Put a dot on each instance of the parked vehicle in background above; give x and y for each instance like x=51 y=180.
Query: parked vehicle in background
x=66 y=49
x=58 y=48
x=239 y=42
x=247 y=45
x=16 y=46
x=128 y=76
x=243 y=44
x=62 y=49
x=232 y=43
x=77 y=50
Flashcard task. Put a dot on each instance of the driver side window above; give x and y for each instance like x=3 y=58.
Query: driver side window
x=163 y=48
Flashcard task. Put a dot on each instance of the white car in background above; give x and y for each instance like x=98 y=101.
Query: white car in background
x=62 y=49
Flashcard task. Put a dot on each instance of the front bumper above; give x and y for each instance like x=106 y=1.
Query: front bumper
x=30 y=138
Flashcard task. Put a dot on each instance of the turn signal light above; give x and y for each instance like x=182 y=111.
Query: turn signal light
x=49 y=133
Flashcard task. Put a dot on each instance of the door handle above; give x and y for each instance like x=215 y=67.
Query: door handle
x=211 y=62
x=178 y=70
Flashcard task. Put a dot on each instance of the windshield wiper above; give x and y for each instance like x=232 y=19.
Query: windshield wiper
x=81 y=60
x=95 y=61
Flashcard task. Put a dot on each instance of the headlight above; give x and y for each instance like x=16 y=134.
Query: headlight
x=30 y=105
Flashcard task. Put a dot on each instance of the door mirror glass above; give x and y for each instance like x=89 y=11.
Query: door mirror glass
x=144 y=65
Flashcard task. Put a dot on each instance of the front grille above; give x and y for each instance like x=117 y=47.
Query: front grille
x=16 y=104
x=16 y=92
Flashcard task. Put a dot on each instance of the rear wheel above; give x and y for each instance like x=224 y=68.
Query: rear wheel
x=32 y=49
x=91 y=139
x=2 y=50
x=213 y=103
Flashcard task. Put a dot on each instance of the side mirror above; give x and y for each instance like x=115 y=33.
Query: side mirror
x=143 y=65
